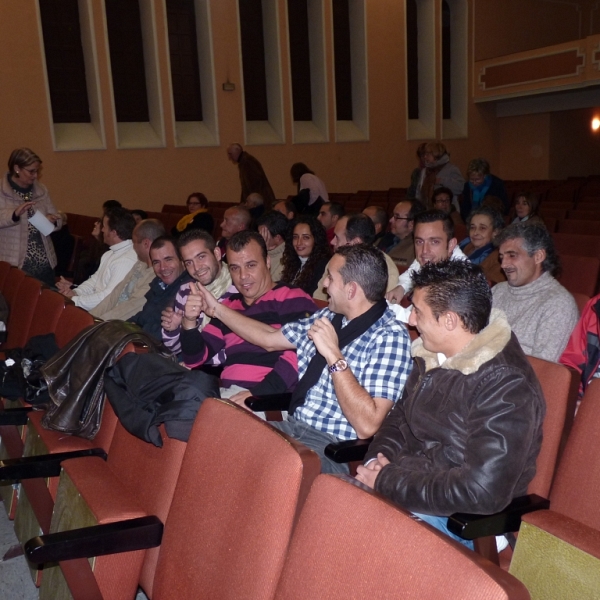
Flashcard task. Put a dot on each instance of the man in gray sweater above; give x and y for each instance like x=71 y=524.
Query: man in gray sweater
x=540 y=311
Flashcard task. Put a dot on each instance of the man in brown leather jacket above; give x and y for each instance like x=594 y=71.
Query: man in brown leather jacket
x=467 y=431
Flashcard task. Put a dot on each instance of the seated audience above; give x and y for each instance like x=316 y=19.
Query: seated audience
x=540 y=311
x=583 y=350
x=117 y=228
x=466 y=433
x=306 y=255
x=311 y=190
x=378 y=215
x=434 y=241
x=247 y=369
x=255 y=204
x=129 y=296
x=483 y=188
x=274 y=229
x=139 y=215
x=286 y=208
x=442 y=200
x=202 y=260
x=484 y=224
x=236 y=218
x=351 y=230
x=198 y=217
x=402 y=247
x=526 y=209
x=329 y=215
x=170 y=277
x=438 y=172
x=353 y=357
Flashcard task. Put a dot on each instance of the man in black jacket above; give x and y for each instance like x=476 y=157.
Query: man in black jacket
x=467 y=431
x=170 y=276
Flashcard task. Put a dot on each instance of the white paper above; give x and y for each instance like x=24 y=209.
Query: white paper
x=402 y=314
x=41 y=223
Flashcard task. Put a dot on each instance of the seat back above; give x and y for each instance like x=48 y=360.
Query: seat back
x=577 y=245
x=47 y=313
x=576 y=487
x=72 y=320
x=350 y=543
x=21 y=312
x=559 y=385
x=240 y=488
x=579 y=273
x=13 y=280
x=4 y=270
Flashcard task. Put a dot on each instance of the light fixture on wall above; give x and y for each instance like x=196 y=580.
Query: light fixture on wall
x=595 y=124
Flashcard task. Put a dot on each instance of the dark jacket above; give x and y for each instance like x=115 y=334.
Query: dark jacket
x=157 y=299
x=496 y=197
x=254 y=180
x=75 y=375
x=465 y=436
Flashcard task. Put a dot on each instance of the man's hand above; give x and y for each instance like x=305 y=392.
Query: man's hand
x=367 y=474
x=170 y=319
x=395 y=296
x=210 y=302
x=325 y=339
x=63 y=284
x=52 y=218
x=194 y=303
x=266 y=235
x=239 y=399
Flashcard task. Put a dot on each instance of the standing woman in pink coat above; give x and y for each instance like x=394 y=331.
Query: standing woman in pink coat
x=27 y=217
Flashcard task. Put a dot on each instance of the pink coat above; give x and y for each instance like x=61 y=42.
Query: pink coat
x=13 y=236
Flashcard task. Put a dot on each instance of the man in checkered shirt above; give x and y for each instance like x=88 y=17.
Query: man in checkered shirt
x=353 y=357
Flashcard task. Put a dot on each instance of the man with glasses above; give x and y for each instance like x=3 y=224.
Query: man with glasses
x=402 y=249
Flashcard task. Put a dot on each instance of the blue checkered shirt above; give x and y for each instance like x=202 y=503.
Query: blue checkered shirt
x=379 y=359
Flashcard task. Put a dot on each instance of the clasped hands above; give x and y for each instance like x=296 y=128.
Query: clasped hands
x=367 y=474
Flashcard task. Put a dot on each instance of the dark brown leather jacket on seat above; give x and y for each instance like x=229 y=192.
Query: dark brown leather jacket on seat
x=465 y=436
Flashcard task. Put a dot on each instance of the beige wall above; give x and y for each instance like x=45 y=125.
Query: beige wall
x=79 y=181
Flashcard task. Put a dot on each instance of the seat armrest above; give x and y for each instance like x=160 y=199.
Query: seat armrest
x=348 y=451
x=270 y=402
x=471 y=527
x=44 y=465
x=110 y=538
x=15 y=416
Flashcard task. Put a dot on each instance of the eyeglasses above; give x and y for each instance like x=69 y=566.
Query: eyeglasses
x=31 y=171
x=399 y=218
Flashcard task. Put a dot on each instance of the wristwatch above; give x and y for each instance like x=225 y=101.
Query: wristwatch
x=339 y=365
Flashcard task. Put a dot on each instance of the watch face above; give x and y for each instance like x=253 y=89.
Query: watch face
x=338 y=365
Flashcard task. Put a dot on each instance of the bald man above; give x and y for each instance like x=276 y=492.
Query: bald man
x=252 y=175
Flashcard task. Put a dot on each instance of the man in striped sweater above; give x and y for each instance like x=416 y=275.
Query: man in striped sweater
x=247 y=368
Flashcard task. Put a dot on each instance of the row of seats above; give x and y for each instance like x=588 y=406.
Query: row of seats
x=226 y=530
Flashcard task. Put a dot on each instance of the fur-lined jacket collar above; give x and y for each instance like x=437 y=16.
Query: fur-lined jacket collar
x=482 y=348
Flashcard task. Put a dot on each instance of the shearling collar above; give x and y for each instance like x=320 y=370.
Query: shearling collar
x=481 y=349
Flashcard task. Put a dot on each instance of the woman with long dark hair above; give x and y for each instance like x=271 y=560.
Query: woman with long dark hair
x=306 y=255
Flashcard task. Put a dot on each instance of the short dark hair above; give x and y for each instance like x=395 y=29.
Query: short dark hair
x=111 y=204
x=275 y=222
x=241 y=239
x=149 y=229
x=360 y=226
x=535 y=237
x=458 y=286
x=416 y=208
x=495 y=217
x=141 y=213
x=200 y=197
x=433 y=215
x=335 y=208
x=162 y=241
x=121 y=221
x=290 y=207
x=442 y=190
x=366 y=266
x=196 y=234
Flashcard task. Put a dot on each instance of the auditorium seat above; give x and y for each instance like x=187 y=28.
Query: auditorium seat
x=558 y=550
x=579 y=227
x=585 y=215
x=579 y=274
x=553 y=213
x=4 y=270
x=13 y=280
x=240 y=490
x=22 y=309
x=352 y=543
x=577 y=245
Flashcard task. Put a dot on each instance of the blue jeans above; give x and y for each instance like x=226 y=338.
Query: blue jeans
x=440 y=523
x=315 y=440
